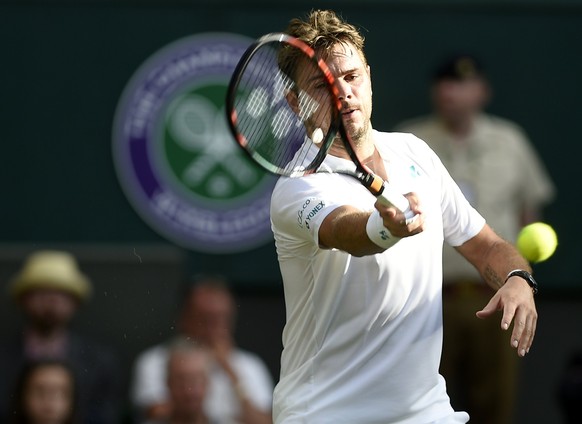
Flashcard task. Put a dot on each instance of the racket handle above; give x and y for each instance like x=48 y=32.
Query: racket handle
x=386 y=194
x=391 y=197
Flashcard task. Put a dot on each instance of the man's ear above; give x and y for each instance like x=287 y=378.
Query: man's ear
x=486 y=92
x=293 y=101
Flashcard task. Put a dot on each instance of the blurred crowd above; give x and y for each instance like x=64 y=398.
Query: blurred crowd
x=50 y=374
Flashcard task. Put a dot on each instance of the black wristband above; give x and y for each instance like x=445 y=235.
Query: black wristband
x=526 y=276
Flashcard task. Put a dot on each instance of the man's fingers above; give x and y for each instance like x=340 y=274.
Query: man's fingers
x=524 y=328
x=518 y=313
x=489 y=309
x=533 y=332
x=527 y=337
x=508 y=317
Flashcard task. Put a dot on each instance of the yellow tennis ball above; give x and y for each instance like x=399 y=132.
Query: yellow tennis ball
x=537 y=241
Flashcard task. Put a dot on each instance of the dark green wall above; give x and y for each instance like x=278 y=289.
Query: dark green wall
x=64 y=65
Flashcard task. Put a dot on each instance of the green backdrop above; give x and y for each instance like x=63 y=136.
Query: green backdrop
x=65 y=64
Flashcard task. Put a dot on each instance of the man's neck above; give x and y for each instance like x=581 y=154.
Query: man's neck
x=51 y=343
x=48 y=333
x=364 y=148
x=376 y=164
x=460 y=129
x=191 y=419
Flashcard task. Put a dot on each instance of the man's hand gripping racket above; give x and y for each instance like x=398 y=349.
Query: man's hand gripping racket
x=284 y=110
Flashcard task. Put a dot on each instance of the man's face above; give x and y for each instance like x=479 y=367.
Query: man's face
x=208 y=316
x=188 y=382
x=355 y=90
x=48 y=309
x=49 y=395
x=457 y=100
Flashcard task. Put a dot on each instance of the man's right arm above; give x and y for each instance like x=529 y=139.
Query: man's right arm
x=345 y=227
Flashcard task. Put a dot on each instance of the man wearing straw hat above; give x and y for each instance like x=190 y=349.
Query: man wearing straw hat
x=49 y=290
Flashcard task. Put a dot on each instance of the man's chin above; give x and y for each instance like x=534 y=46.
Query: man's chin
x=356 y=135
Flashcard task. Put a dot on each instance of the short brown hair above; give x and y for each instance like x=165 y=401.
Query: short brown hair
x=321 y=30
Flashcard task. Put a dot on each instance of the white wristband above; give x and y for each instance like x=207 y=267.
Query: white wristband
x=379 y=234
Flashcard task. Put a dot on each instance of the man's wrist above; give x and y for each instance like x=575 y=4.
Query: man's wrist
x=378 y=233
x=526 y=276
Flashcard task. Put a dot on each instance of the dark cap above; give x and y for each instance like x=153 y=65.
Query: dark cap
x=459 y=67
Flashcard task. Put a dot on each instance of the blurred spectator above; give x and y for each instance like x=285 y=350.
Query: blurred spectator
x=241 y=386
x=188 y=371
x=45 y=394
x=498 y=171
x=570 y=390
x=49 y=290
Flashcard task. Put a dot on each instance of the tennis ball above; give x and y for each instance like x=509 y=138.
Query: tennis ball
x=317 y=136
x=537 y=241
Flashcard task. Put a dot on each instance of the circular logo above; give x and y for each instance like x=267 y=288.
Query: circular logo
x=175 y=157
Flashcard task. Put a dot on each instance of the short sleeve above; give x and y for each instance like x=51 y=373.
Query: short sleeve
x=461 y=221
x=300 y=205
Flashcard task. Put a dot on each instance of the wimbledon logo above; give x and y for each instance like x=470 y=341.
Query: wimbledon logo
x=174 y=156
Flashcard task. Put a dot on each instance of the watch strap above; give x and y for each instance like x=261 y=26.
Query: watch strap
x=526 y=276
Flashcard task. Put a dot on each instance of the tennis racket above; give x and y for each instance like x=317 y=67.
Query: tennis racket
x=286 y=113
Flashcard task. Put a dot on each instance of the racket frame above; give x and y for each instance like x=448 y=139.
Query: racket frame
x=375 y=184
x=232 y=116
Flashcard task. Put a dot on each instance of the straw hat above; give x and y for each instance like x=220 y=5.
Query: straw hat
x=51 y=270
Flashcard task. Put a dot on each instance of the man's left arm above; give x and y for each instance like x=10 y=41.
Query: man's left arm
x=495 y=259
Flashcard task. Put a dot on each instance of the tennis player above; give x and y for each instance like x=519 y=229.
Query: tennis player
x=363 y=336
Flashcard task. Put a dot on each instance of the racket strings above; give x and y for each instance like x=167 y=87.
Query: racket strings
x=274 y=117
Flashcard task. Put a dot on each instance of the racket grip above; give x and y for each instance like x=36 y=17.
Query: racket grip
x=391 y=197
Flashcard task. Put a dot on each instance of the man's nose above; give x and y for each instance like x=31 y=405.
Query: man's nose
x=345 y=90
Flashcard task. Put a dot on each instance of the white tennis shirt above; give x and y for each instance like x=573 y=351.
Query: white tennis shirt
x=363 y=336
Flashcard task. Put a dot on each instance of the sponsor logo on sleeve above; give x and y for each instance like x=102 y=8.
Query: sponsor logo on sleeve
x=308 y=211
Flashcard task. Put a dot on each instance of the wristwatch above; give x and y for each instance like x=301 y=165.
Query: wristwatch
x=526 y=276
